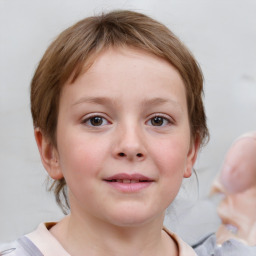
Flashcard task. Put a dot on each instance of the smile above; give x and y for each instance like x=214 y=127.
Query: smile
x=129 y=183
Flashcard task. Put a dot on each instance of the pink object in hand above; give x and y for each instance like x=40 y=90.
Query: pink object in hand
x=237 y=182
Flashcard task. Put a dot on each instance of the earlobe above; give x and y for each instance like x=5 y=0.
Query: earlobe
x=192 y=156
x=49 y=155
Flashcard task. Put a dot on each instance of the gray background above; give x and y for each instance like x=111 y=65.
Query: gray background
x=222 y=36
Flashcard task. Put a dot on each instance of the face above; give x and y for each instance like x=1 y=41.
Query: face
x=123 y=138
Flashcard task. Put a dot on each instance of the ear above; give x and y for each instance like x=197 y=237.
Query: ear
x=192 y=156
x=49 y=155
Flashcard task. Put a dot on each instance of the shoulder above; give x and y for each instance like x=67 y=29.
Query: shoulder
x=45 y=241
x=8 y=248
x=184 y=248
x=20 y=247
x=231 y=247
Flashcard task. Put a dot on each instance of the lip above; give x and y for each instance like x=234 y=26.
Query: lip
x=129 y=183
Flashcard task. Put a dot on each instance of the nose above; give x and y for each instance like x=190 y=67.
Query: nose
x=130 y=144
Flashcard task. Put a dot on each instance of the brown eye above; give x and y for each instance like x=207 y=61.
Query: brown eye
x=96 y=121
x=157 y=121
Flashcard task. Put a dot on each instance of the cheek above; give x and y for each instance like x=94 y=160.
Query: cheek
x=171 y=157
x=171 y=164
x=81 y=165
x=80 y=156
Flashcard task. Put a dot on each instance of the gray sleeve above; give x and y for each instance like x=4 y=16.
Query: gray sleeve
x=20 y=247
x=232 y=247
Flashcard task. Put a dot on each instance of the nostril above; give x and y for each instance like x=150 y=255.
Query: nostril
x=121 y=154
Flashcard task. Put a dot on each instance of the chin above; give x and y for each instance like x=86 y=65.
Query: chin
x=133 y=218
x=132 y=223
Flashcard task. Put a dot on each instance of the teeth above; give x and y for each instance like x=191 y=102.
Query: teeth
x=127 y=181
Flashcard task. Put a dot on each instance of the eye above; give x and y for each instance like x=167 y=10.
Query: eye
x=158 y=120
x=95 y=121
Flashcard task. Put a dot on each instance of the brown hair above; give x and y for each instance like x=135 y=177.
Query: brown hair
x=79 y=45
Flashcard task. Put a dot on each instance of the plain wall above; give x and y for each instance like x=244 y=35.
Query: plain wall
x=221 y=34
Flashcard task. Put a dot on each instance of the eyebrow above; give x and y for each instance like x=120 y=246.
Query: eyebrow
x=97 y=100
x=159 y=101
x=111 y=101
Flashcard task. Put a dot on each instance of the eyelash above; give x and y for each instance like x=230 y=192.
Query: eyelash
x=88 y=120
x=165 y=119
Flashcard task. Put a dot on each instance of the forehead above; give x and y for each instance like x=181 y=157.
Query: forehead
x=108 y=60
x=126 y=71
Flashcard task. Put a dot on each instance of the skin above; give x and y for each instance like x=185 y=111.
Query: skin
x=125 y=89
x=239 y=169
x=237 y=181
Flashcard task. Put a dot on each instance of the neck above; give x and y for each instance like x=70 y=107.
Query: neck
x=79 y=235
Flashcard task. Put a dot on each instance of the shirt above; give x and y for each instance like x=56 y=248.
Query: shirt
x=42 y=243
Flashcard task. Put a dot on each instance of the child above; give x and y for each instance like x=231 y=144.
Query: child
x=117 y=108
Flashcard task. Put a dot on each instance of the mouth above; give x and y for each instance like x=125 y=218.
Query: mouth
x=129 y=182
x=128 y=178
